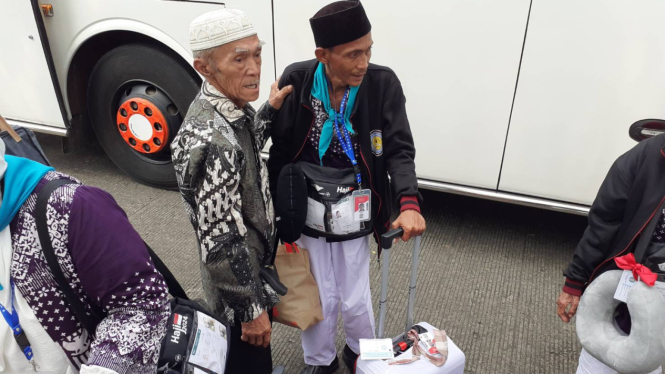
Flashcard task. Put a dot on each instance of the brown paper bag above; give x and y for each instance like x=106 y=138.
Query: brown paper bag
x=301 y=307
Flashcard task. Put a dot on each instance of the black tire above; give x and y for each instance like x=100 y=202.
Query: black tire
x=124 y=67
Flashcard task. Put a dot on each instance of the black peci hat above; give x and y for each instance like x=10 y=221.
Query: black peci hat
x=339 y=23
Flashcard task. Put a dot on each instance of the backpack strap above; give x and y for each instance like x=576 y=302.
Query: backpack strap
x=174 y=287
x=89 y=319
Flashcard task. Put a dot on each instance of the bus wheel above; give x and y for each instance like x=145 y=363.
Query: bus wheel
x=137 y=99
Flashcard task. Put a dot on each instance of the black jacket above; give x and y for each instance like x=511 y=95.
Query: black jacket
x=379 y=109
x=631 y=194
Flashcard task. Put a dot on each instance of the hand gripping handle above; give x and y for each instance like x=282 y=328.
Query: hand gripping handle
x=388 y=238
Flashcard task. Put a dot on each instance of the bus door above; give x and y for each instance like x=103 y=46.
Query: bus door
x=27 y=89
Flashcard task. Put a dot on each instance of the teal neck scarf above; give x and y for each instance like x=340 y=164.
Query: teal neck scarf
x=320 y=92
x=20 y=179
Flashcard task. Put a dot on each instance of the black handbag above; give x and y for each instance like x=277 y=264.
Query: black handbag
x=182 y=325
x=328 y=186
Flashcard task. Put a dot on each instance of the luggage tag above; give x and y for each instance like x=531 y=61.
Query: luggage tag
x=376 y=349
x=627 y=282
x=428 y=343
x=362 y=200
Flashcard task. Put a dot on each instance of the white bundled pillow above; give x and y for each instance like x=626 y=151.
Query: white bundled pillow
x=640 y=352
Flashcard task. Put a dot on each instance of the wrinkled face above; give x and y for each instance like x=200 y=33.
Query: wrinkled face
x=236 y=69
x=347 y=63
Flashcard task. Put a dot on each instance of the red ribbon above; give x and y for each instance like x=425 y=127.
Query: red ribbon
x=291 y=248
x=288 y=248
x=640 y=271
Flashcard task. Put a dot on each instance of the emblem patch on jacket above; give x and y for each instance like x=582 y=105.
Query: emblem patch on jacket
x=377 y=142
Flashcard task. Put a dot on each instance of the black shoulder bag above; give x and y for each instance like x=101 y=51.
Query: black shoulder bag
x=182 y=325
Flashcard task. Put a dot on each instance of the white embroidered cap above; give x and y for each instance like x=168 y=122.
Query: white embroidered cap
x=219 y=27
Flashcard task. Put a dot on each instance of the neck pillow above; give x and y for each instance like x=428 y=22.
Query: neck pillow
x=640 y=352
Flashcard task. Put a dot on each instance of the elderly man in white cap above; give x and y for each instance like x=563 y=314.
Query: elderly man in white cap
x=224 y=182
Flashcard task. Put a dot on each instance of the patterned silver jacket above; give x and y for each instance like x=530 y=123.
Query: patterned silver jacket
x=224 y=184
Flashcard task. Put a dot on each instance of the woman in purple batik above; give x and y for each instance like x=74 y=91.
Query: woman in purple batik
x=104 y=260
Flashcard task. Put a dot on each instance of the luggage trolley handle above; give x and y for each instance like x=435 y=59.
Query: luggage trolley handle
x=387 y=243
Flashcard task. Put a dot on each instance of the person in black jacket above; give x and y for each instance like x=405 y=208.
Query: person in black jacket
x=631 y=194
x=347 y=114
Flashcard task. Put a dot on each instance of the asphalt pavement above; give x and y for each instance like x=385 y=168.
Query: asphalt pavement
x=489 y=272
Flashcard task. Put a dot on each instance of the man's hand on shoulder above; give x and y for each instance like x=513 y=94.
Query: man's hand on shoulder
x=565 y=299
x=258 y=331
x=412 y=222
x=278 y=96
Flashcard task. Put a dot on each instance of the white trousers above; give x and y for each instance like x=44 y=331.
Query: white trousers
x=341 y=271
x=589 y=365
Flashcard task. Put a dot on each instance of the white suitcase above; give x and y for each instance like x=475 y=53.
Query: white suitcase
x=456 y=359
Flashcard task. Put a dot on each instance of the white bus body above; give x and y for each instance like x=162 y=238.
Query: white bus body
x=527 y=101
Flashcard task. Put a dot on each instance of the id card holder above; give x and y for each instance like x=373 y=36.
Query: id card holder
x=625 y=284
x=362 y=205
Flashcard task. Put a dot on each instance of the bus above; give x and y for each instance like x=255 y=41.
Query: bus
x=524 y=101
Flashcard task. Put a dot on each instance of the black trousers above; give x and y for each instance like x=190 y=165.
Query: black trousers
x=246 y=358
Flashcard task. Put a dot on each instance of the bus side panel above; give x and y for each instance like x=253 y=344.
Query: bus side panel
x=590 y=69
x=457 y=61
x=75 y=21
x=26 y=90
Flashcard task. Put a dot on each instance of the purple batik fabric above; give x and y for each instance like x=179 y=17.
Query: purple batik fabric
x=107 y=265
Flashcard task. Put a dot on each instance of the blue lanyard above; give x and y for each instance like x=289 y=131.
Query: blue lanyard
x=13 y=322
x=345 y=141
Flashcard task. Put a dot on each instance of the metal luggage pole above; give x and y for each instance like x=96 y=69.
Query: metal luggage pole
x=412 y=287
x=386 y=244
x=385 y=267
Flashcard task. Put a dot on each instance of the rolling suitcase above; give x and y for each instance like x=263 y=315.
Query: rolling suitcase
x=456 y=359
